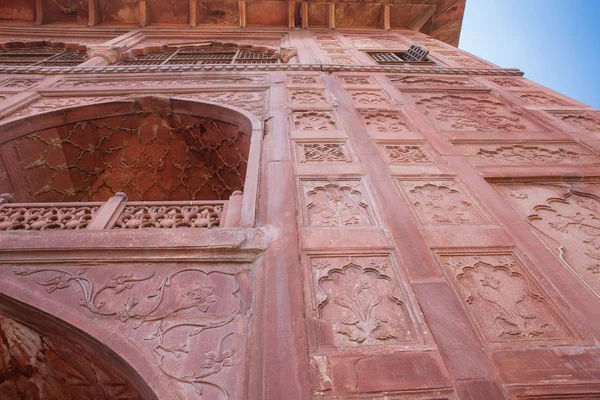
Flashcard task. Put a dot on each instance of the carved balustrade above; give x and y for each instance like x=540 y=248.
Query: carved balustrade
x=118 y=213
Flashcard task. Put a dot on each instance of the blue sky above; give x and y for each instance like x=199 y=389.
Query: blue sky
x=555 y=42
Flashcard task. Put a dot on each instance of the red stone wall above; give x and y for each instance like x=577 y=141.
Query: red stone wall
x=420 y=232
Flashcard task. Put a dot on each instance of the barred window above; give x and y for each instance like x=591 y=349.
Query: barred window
x=415 y=54
x=203 y=55
x=42 y=56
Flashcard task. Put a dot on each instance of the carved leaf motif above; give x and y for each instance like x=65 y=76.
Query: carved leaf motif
x=334 y=205
x=407 y=154
x=470 y=113
x=507 y=292
x=324 y=152
x=440 y=204
x=361 y=307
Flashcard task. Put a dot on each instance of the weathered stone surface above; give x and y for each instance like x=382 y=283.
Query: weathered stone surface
x=263 y=213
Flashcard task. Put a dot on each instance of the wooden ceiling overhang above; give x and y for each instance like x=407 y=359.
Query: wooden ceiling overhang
x=441 y=19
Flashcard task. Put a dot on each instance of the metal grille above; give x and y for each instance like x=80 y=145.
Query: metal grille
x=203 y=55
x=415 y=54
x=45 y=56
x=385 y=58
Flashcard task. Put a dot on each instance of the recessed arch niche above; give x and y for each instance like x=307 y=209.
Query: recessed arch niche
x=46 y=358
x=152 y=148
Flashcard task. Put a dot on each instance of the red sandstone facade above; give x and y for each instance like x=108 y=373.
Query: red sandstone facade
x=236 y=201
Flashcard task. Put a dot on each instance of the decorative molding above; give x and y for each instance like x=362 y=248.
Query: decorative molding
x=256 y=67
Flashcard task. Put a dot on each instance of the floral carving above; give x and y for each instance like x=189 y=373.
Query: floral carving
x=373 y=98
x=321 y=38
x=323 y=152
x=469 y=62
x=474 y=113
x=176 y=313
x=45 y=218
x=307 y=97
x=581 y=121
x=504 y=302
x=304 y=79
x=508 y=83
x=335 y=51
x=313 y=121
x=18 y=83
x=361 y=302
x=383 y=120
x=331 y=45
x=343 y=60
x=541 y=99
x=530 y=154
x=406 y=154
x=336 y=204
x=357 y=80
x=253 y=102
x=567 y=220
x=50 y=104
x=442 y=203
x=174 y=216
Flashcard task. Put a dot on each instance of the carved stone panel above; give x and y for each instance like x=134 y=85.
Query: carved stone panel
x=503 y=301
x=304 y=80
x=541 y=99
x=369 y=98
x=336 y=204
x=307 y=97
x=413 y=153
x=566 y=218
x=190 y=322
x=18 y=83
x=313 y=121
x=357 y=80
x=527 y=153
x=441 y=202
x=472 y=112
x=580 y=120
x=220 y=80
x=323 y=152
x=253 y=102
x=359 y=302
x=377 y=120
x=509 y=83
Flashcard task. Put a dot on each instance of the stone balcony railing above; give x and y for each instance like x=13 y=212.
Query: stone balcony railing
x=118 y=213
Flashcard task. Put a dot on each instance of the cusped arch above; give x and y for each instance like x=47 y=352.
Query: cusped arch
x=56 y=351
x=47 y=133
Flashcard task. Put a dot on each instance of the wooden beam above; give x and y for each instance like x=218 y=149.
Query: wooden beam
x=291 y=14
x=94 y=17
x=418 y=23
x=193 y=12
x=331 y=14
x=39 y=12
x=305 y=15
x=242 y=10
x=144 y=13
x=387 y=17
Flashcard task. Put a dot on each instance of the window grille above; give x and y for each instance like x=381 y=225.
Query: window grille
x=203 y=55
x=415 y=54
x=43 y=56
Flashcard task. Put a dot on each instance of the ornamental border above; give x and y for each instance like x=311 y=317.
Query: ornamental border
x=113 y=69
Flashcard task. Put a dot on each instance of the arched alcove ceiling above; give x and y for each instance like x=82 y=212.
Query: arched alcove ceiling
x=144 y=147
x=47 y=359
